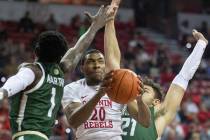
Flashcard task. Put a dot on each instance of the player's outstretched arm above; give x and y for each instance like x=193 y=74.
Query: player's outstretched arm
x=73 y=55
x=111 y=47
x=21 y=80
x=139 y=110
x=176 y=91
x=77 y=113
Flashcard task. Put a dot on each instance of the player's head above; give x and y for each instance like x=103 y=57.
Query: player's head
x=93 y=66
x=152 y=92
x=50 y=47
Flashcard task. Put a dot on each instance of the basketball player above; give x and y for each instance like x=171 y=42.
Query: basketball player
x=162 y=111
x=89 y=110
x=35 y=92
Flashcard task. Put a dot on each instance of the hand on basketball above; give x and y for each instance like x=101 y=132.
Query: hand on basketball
x=105 y=85
x=141 y=89
x=101 y=18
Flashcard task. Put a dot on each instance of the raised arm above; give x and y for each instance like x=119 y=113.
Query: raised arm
x=73 y=55
x=176 y=91
x=111 y=47
x=137 y=108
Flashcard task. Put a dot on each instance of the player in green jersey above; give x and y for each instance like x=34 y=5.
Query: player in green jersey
x=162 y=111
x=35 y=92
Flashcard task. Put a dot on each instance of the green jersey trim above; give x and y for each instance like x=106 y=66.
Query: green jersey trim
x=39 y=84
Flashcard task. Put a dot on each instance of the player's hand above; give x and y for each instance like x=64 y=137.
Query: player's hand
x=101 y=18
x=116 y=2
x=105 y=85
x=141 y=88
x=199 y=36
x=112 y=11
x=113 y=7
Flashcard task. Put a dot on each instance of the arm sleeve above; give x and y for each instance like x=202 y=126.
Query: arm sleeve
x=191 y=65
x=19 y=82
x=70 y=95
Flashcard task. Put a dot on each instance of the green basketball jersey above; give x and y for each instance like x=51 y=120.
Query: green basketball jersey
x=36 y=109
x=134 y=131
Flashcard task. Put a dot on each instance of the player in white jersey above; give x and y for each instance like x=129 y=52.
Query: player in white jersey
x=106 y=116
x=88 y=108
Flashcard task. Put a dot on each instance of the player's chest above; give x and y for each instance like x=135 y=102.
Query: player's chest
x=104 y=102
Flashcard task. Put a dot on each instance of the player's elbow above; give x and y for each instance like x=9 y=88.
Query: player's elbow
x=73 y=124
x=71 y=119
x=144 y=121
x=147 y=123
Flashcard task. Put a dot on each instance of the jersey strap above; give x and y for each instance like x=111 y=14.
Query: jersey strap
x=29 y=133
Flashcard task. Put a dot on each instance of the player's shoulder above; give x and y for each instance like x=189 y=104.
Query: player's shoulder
x=76 y=84
x=33 y=66
x=28 y=65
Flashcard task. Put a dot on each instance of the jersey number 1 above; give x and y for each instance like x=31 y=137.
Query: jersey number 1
x=52 y=100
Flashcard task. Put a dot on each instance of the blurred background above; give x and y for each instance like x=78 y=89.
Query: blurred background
x=154 y=37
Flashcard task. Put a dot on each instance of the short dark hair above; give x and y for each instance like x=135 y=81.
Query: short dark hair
x=51 y=47
x=156 y=87
x=87 y=53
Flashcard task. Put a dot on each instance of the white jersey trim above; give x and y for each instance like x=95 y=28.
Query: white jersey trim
x=22 y=133
x=39 y=84
x=22 y=111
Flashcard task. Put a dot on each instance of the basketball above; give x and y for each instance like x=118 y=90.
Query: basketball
x=124 y=86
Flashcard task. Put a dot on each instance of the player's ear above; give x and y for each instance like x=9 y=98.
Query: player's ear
x=156 y=101
x=81 y=68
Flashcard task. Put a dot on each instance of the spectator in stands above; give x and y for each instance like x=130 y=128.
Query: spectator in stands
x=185 y=31
x=204 y=28
x=76 y=22
x=135 y=42
x=5 y=133
x=193 y=133
x=3 y=33
x=161 y=56
x=191 y=110
x=174 y=131
x=143 y=61
x=11 y=68
x=184 y=28
x=26 y=24
x=51 y=23
x=206 y=99
x=83 y=28
x=205 y=134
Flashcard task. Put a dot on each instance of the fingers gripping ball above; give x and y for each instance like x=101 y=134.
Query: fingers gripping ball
x=124 y=86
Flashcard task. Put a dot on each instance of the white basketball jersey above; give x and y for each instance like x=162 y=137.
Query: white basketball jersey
x=105 y=120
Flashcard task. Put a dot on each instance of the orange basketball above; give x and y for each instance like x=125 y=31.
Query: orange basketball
x=124 y=87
